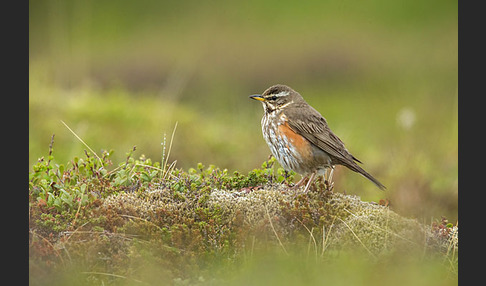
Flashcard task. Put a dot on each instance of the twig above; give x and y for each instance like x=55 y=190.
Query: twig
x=79 y=208
x=75 y=135
x=171 y=166
x=324 y=241
x=148 y=166
x=50 y=153
x=129 y=155
x=275 y=232
x=379 y=228
x=170 y=146
x=311 y=236
x=357 y=238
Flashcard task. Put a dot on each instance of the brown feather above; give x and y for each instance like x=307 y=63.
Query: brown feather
x=315 y=129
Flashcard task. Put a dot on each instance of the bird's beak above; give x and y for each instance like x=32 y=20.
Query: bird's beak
x=257 y=97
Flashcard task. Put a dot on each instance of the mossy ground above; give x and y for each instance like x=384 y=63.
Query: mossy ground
x=144 y=222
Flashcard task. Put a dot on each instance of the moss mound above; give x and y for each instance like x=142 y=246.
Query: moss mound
x=278 y=213
x=144 y=223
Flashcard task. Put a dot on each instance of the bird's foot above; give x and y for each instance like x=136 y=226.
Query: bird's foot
x=329 y=186
x=297 y=185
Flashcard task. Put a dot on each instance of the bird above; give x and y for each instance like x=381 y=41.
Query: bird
x=299 y=137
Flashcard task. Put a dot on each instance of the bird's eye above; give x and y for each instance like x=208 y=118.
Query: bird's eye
x=273 y=97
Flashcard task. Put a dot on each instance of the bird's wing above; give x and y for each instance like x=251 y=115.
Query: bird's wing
x=315 y=129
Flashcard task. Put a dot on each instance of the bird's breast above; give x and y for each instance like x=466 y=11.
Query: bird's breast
x=290 y=149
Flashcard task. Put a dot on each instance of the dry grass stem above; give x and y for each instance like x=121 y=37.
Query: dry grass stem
x=84 y=143
x=275 y=232
x=357 y=238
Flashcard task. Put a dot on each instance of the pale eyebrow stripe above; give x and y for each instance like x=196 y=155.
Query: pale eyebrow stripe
x=282 y=93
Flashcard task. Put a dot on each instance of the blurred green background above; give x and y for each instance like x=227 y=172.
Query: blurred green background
x=383 y=74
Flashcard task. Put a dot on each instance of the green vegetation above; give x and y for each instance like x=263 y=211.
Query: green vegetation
x=92 y=223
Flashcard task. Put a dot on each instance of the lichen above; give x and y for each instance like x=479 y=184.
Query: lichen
x=231 y=216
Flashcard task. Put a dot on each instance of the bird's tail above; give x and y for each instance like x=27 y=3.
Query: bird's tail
x=355 y=167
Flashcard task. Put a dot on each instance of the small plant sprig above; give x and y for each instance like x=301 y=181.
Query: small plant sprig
x=65 y=186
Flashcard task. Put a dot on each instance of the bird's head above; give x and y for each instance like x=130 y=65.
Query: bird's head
x=277 y=97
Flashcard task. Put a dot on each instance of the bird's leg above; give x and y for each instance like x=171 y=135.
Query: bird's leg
x=297 y=185
x=328 y=181
x=310 y=180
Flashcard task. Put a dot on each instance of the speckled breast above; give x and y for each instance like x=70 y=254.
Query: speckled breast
x=290 y=149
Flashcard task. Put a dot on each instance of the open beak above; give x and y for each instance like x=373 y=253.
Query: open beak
x=257 y=97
